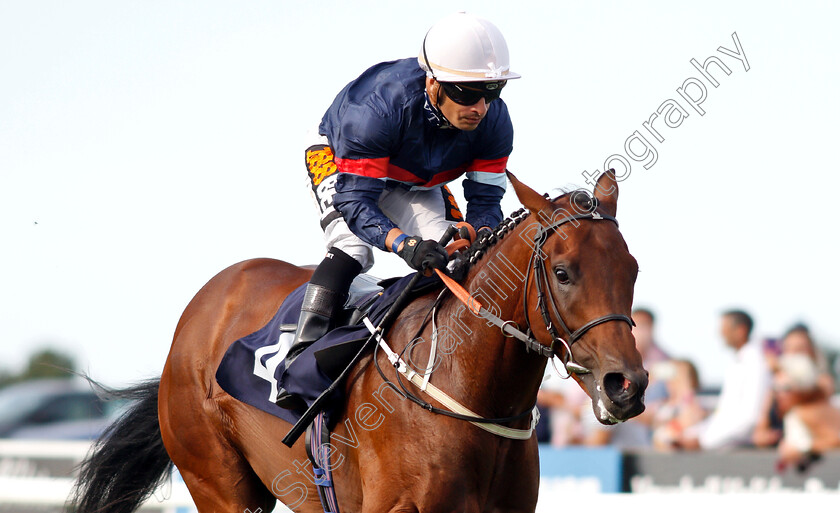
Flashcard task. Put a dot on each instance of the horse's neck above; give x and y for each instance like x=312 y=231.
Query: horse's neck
x=485 y=363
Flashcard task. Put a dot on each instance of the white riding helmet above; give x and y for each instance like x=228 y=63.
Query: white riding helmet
x=465 y=48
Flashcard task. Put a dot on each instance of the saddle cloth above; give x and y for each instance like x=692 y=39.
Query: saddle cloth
x=253 y=368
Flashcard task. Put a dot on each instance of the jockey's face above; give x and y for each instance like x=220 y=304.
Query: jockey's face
x=464 y=117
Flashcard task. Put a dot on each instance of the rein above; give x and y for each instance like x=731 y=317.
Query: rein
x=456 y=410
x=508 y=329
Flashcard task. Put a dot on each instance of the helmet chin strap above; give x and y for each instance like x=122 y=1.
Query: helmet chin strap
x=440 y=120
x=435 y=115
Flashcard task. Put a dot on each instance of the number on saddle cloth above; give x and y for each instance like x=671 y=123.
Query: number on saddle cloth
x=269 y=355
x=317 y=367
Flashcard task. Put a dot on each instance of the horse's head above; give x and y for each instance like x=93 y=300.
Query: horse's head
x=582 y=277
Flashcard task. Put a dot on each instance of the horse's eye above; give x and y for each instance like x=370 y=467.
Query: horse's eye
x=562 y=275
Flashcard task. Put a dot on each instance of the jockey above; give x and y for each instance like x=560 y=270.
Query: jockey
x=385 y=150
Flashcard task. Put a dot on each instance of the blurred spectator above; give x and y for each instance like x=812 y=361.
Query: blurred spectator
x=798 y=414
x=768 y=430
x=791 y=362
x=567 y=406
x=636 y=432
x=810 y=428
x=681 y=410
x=745 y=386
x=798 y=341
x=652 y=358
x=643 y=332
x=671 y=402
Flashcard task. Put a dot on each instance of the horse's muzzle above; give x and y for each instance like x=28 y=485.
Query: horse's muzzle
x=621 y=396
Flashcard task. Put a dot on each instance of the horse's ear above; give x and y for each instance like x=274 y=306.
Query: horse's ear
x=606 y=192
x=530 y=199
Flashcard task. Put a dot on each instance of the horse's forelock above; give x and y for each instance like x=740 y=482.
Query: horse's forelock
x=558 y=193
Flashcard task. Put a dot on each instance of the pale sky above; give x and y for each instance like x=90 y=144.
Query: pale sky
x=145 y=146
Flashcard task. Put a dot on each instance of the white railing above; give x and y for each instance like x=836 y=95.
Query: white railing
x=37 y=476
x=39 y=473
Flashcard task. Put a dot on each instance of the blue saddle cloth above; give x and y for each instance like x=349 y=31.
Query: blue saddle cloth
x=253 y=369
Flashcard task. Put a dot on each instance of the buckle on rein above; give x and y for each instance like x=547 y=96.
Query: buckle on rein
x=571 y=366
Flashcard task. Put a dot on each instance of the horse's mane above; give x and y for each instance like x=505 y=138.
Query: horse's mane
x=488 y=241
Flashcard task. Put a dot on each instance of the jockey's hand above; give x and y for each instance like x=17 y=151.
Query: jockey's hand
x=465 y=232
x=423 y=255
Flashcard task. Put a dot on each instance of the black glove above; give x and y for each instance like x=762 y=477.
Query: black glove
x=423 y=255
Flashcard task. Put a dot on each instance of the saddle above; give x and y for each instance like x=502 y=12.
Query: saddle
x=253 y=368
x=364 y=292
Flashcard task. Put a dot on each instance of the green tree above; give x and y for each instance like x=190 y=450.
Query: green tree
x=45 y=363
x=49 y=363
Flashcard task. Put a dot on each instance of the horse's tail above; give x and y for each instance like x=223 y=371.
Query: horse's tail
x=129 y=461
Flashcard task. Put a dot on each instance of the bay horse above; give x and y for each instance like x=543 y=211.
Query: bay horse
x=558 y=264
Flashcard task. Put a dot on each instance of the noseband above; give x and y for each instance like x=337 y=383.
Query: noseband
x=545 y=296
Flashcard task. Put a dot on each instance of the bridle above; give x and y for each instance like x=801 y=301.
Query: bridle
x=509 y=328
x=545 y=296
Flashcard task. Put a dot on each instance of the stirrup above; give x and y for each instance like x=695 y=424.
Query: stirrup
x=317 y=449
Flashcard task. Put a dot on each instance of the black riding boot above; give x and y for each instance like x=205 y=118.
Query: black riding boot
x=325 y=295
x=319 y=307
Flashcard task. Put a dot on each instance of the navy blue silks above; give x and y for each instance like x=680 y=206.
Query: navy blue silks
x=383 y=133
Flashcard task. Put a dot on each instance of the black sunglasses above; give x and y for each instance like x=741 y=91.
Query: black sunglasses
x=465 y=95
x=469 y=95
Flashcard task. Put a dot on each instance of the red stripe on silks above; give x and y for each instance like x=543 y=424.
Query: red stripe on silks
x=446 y=176
x=489 y=166
x=377 y=168
x=373 y=168
x=403 y=175
x=383 y=168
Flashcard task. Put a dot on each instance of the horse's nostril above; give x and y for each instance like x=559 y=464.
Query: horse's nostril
x=626 y=392
x=617 y=386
